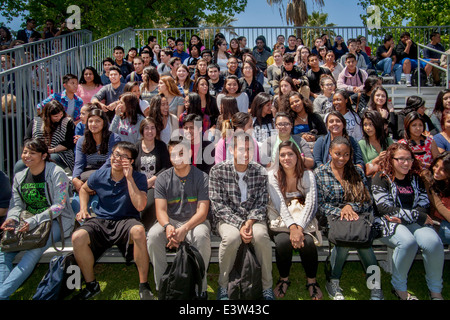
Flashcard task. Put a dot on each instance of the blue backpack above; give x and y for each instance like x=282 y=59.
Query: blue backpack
x=53 y=284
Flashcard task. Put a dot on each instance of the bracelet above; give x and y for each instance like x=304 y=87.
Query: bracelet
x=166 y=225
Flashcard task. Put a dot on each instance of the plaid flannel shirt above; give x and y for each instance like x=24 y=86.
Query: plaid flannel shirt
x=62 y=98
x=225 y=195
x=331 y=193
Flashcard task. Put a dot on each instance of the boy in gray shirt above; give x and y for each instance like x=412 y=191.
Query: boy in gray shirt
x=182 y=206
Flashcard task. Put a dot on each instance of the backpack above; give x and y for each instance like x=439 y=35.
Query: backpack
x=183 y=279
x=53 y=284
x=415 y=77
x=245 y=280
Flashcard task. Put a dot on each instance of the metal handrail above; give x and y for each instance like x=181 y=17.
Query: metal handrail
x=446 y=70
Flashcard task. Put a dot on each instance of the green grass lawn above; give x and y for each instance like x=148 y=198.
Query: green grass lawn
x=120 y=282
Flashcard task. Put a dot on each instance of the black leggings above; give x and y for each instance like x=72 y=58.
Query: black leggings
x=283 y=254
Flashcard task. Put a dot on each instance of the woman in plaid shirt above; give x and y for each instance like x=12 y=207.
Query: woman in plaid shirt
x=342 y=191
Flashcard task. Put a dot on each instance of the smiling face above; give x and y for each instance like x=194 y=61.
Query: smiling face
x=149 y=132
x=402 y=162
x=340 y=103
x=288 y=158
x=119 y=157
x=179 y=157
x=296 y=104
x=164 y=106
x=138 y=66
x=232 y=86
x=182 y=74
x=340 y=155
x=446 y=100
x=328 y=87
x=32 y=158
x=379 y=98
x=95 y=124
x=335 y=125
x=55 y=118
x=439 y=171
x=118 y=55
x=284 y=126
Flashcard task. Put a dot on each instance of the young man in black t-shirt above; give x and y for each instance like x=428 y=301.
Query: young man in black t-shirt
x=314 y=74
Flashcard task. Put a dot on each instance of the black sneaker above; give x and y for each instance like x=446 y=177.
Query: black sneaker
x=145 y=293
x=91 y=290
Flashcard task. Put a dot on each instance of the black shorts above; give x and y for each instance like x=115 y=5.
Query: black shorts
x=105 y=233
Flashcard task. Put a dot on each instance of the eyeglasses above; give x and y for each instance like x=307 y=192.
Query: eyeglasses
x=121 y=156
x=283 y=124
x=403 y=160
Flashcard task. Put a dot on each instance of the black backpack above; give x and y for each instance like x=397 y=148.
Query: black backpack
x=415 y=77
x=183 y=279
x=53 y=285
x=245 y=280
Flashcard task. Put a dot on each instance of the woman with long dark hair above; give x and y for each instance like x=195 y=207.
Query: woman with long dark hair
x=58 y=131
x=208 y=102
x=165 y=122
x=343 y=104
x=149 y=86
x=379 y=101
x=288 y=180
x=441 y=107
x=193 y=105
x=249 y=83
x=261 y=111
x=232 y=87
x=423 y=147
x=127 y=119
x=403 y=210
x=220 y=55
x=375 y=142
x=89 y=84
x=343 y=193
x=42 y=188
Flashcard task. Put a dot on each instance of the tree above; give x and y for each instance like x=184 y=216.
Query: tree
x=318 y=20
x=413 y=13
x=296 y=11
x=104 y=17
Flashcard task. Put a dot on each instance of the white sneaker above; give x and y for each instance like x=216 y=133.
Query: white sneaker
x=408 y=84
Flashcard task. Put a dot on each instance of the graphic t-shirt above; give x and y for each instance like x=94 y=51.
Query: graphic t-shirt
x=405 y=193
x=33 y=193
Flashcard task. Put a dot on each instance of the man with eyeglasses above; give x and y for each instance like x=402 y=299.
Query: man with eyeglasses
x=29 y=34
x=122 y=194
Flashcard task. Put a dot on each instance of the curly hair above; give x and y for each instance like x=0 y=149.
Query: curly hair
x=387 y=167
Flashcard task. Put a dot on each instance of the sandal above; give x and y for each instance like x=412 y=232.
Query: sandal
x=315 y=294
x=408 y=297
x=280 y=288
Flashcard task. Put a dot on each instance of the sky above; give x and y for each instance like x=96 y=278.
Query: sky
x=260 y=13
x=340 y=12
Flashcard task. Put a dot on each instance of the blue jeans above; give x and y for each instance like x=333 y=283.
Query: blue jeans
x=385 y=65
x=11 y=278
x=406 y=240
x=444 y=232
x=339 y=256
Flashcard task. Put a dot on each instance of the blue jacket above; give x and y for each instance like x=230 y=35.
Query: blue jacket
x=322 y=145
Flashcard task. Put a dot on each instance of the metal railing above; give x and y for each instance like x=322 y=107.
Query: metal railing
x=28 y=52
x=21 y=89
x=446 y=70
x=308 y=34
x=92 y=54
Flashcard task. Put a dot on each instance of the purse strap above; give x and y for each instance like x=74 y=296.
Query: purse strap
x=59 y=222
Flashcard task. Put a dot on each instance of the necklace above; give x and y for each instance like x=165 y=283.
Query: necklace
x=303 y=119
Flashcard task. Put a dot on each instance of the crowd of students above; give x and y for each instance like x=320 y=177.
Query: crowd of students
x=168 y=145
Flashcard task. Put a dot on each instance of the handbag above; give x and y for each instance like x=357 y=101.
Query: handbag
x=295 y=207
x=32 y=239
x=356 y=233
x=36 y=238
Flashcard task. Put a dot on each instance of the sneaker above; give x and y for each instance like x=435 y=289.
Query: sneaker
x=91 y=290
x=408 y=84
x=145 y=293
x=333 y=289
x=222 y=294
x=268 y=294
x=376 y=294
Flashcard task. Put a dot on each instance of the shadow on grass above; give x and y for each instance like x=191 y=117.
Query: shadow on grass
x=121 y=282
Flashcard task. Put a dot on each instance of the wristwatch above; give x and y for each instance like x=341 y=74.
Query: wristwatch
x=166 y=225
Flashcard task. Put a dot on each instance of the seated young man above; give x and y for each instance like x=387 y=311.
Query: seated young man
x=406 y=52
x=314 y=74
x=122 y=194
x=387 y=60
x=351 y=78
x=238 y=191
x=295 y=72
x=433 y=56
x=352 y=46
x=182 y=206
x=68 y=98
x=110 y=93
x=125 y=67
x=216 y=80
x=136 y=75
